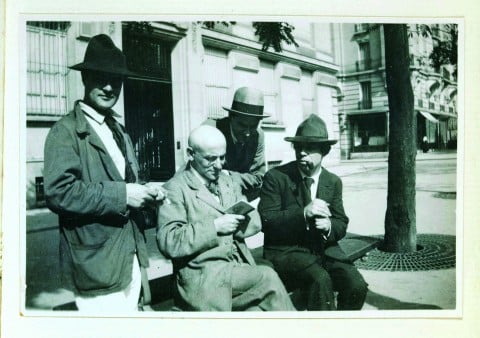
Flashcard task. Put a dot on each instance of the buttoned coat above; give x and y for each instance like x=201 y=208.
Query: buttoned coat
x=282 y=213
x=186 y=234
x=83 y=186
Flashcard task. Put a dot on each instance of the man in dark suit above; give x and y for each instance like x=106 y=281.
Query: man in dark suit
x=245 y=157
x=303 y=219
x=91 y=182
x=214 y=270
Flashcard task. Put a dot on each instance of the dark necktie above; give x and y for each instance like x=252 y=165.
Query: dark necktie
x=213 y=187
x=120 y=141
x=305 y=190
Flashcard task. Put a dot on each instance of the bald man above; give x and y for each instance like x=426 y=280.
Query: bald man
x=214 y=270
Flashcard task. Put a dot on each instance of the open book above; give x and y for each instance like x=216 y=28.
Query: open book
x=240 y=208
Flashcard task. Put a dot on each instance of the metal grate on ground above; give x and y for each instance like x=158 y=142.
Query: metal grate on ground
x=435 y=252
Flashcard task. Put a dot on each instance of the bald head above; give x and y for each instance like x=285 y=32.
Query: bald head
x=206 y=151
x=205 y=137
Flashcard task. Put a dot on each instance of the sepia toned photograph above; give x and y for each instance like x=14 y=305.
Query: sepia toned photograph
x=181 y=167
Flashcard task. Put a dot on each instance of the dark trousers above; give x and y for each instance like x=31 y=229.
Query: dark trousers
x=349 y=283
x=319 y=280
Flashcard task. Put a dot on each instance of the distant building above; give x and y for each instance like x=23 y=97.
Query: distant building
x=364 y=110
x=186 y=73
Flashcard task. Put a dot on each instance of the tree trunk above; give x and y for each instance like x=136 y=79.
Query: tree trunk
x=400 y=218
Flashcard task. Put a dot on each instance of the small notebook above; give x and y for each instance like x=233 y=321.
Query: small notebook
x=240 y=208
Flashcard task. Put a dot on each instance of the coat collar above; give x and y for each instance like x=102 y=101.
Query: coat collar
x=202 y=193
x=324 y=181
x=84 y=130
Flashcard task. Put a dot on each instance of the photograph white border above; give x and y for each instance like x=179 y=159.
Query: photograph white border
x=14 y=155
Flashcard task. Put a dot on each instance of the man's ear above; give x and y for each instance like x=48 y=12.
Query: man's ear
x=190 y=153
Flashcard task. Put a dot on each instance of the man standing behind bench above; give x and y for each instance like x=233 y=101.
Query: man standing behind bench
x=214 y=270
x=245 y=157
x=91 y=177
x=303 y=219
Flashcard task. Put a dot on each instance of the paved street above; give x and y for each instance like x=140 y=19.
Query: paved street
x=365 y=200
x=365 y=184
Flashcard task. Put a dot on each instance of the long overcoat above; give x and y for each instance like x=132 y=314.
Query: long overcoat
x=202 y=260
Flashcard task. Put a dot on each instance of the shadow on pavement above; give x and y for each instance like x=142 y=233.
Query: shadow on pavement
x=382 y=302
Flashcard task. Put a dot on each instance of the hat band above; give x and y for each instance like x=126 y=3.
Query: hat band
x=247 y=108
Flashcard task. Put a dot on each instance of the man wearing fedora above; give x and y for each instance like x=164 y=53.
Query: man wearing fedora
x=91 y=182
x=214 y=269
x=245 y=158
x=303 y=218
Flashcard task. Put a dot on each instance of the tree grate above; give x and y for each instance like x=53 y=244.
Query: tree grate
x=435 y=252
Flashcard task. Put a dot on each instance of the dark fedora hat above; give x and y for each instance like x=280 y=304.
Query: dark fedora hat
x=103 y=56
x=311 y=130
x=248 y=101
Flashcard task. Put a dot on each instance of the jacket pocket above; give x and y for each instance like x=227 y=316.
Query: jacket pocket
x=101 y=266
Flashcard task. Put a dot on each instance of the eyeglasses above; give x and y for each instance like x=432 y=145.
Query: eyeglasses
x=211 y=159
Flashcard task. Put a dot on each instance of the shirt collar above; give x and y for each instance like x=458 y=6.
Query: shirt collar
x=315 y=175
x=92 y=113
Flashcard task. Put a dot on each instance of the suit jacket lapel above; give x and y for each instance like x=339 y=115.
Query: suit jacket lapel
x=324 y=185
x=295 y=181
x=227 y=198
x=84 y=128
x=202 y=192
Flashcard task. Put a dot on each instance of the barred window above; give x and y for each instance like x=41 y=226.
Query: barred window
x=47 y=68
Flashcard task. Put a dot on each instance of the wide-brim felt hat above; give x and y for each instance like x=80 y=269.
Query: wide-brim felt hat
x=312 y=130
x=248 y=101
x=103 y=56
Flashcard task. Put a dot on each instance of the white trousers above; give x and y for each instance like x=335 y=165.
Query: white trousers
x=124 y=301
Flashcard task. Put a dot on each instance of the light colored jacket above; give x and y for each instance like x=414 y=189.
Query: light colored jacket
x=186 y=234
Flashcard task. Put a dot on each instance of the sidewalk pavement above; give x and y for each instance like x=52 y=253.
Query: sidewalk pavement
x=357 y=166
x=366 y=207
x=435 y=289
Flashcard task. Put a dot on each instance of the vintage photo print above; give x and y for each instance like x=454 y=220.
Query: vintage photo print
x=125 y=122
x=183 y=72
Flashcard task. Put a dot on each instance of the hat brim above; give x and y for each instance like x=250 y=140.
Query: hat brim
x=246 y=114
x=309 y=139
x=88 y=66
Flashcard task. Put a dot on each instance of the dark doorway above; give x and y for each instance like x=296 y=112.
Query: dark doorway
x=421 y=130
x=148 y=103
x=369 y=133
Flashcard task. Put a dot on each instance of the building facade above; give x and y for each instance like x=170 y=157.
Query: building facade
x=364 y=110
x=186 y=73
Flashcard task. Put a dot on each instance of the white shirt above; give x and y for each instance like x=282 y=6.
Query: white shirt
x=97 y=121
x=315 y=177
x=313 y=193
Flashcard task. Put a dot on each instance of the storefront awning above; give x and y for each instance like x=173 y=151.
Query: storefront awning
x=450 y=92
x=428 y=116
x=432 y=85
